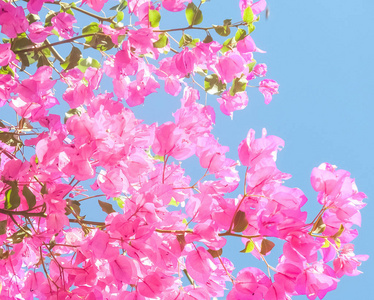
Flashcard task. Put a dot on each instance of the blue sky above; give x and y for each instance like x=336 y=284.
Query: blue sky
x=320 y=52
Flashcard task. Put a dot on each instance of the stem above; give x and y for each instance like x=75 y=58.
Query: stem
x=56 y=43
x=197 y=28
x=241 y=235
x=54 y=52
x=87 y=222
x=188 y=277
x=173 y=231
x=24 y=213
x=264 y=259
x=91 y=197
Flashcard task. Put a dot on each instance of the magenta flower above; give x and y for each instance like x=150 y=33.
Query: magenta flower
x=268 y=87
x=63 y=23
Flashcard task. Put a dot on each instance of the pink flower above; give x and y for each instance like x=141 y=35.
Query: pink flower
x=268 y=87
x=12 y=19
x=95 y=4
x=38 y=33
x=6 y=55
x=251 y=283
x=63 y=23
x=200 y=264
x=113 y=33
x=260 y=70
x=175 y=5
x=316 y=281
x=246 y=45
x=252 y=150
x=34 y=6
x=347 y=262
x=229 y=104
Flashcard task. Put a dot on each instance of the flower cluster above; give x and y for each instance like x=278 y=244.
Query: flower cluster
x=163 y=234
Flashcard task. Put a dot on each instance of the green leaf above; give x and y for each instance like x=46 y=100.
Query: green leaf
x=248 y=15
x=240 y=221
x=187 y=40
x=215 y=253
x=154 y=17
x=238 y=85
x=30 y=197
x=213 y=85
x=6 y=70
x=72 y=112
x=90 y=29
x=339 y=232
x=71 y=61
x=12 y=198
x=21 y=43
x=32 y=18
x=120 y=201
x=119 y=7
x=173 y=202
x=227 y=22
x=106 y=207
x=222 y=30
x=208 y=39
x=162 y=41
x=266 y=246
x=228 y=45
x=251 y=28
x=249 y=246
x=251 y=65
x=240 y=34
x=194 y=15
x=158 y=157
x=120 y=16
x=326 y=244
x=100 y=42
x=319 y=226
x=72 y=205
x=42 y=61
x=182 y=241
x=3 y=226
x=85 y=63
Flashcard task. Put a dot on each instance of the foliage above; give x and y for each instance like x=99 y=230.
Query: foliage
x=164 y=236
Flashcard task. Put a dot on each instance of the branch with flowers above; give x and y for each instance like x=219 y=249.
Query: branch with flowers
x=161 y=235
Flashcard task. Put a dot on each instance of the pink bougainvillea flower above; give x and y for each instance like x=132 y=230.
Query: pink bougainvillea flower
x=175 y=5
x=6 y=55
x=268 y=87
x=257 y=7
x=246 y=45
x=260 y=70
x=252 y=150
x=12 y=19
x=172 y=140
x=347 y=262
x=251 y=283
x=95 y=4
x=34 y=6
x=113 y=33
x=229 y=104
x=200 y=264
x=38 y=33
x=316 y=281
x=63 y=23
x=229 y=66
